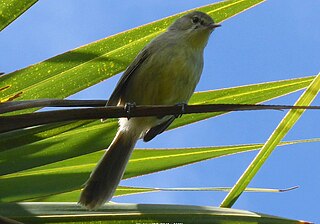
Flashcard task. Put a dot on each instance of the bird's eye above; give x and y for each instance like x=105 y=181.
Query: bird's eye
x=195 y=20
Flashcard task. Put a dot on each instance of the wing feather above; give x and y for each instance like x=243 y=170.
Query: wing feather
x=127 y=75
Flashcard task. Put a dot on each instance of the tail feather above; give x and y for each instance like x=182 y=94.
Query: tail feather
x=105 y=178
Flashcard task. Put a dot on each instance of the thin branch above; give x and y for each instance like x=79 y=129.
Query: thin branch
x=13 y=122
x=27 y=104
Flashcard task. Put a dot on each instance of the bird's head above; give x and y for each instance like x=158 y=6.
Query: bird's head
x=195 y=27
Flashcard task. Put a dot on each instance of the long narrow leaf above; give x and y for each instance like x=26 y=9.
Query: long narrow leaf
x=12 y=9
x=69 y=175
x=97 y=61
x=134 y=213
x=73 y=196
x=279 y=133
x=43 y=145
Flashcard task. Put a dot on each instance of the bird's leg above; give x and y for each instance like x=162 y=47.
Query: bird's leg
x=182 y=110
x=129 y=107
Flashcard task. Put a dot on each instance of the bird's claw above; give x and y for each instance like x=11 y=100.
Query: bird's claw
x=182 y=110
x=129 y=107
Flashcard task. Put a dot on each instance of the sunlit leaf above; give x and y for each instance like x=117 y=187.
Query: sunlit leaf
x=25 y=149
x=69 y=175
x=12 y=9
x=97 y=61
x=279 y=133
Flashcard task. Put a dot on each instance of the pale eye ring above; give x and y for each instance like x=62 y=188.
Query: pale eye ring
x=195 y=20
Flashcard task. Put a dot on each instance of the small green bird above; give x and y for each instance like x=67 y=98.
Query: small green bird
x=165 y=72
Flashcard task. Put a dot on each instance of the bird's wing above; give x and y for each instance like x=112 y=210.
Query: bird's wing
x=156 y=130
x=127 y=75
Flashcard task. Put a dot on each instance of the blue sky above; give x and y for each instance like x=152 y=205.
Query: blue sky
x=273 y=41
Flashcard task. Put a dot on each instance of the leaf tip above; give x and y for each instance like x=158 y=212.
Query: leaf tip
x=289 y=189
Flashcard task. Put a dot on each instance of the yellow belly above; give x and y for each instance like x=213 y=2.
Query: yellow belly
x=164 y=80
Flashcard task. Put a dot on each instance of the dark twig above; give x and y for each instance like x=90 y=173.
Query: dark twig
x=13 y=122
x=20 y=105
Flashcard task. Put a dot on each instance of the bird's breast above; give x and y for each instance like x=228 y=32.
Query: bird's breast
x=167 y=77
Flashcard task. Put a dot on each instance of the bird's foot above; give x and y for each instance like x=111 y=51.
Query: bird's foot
x=129 y=107
x=182 y=110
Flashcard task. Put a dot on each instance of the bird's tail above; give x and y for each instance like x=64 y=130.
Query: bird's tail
x=105 y=178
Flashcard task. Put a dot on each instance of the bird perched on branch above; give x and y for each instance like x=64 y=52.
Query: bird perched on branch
x=165 y=72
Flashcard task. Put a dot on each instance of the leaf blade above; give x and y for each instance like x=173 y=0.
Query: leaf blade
x=28 y=142
x=73 y=196
x=69 y=175
x=282 y=129
x=12 y=9
x=97 y=61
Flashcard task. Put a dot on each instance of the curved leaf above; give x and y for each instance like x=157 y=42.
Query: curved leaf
x=97 y=61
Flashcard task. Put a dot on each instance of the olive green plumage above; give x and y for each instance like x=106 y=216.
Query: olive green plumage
x=165 y=72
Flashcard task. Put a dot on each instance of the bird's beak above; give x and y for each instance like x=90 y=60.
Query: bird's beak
x=214 y=25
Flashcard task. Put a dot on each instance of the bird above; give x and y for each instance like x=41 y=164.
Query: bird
x=165 y=72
